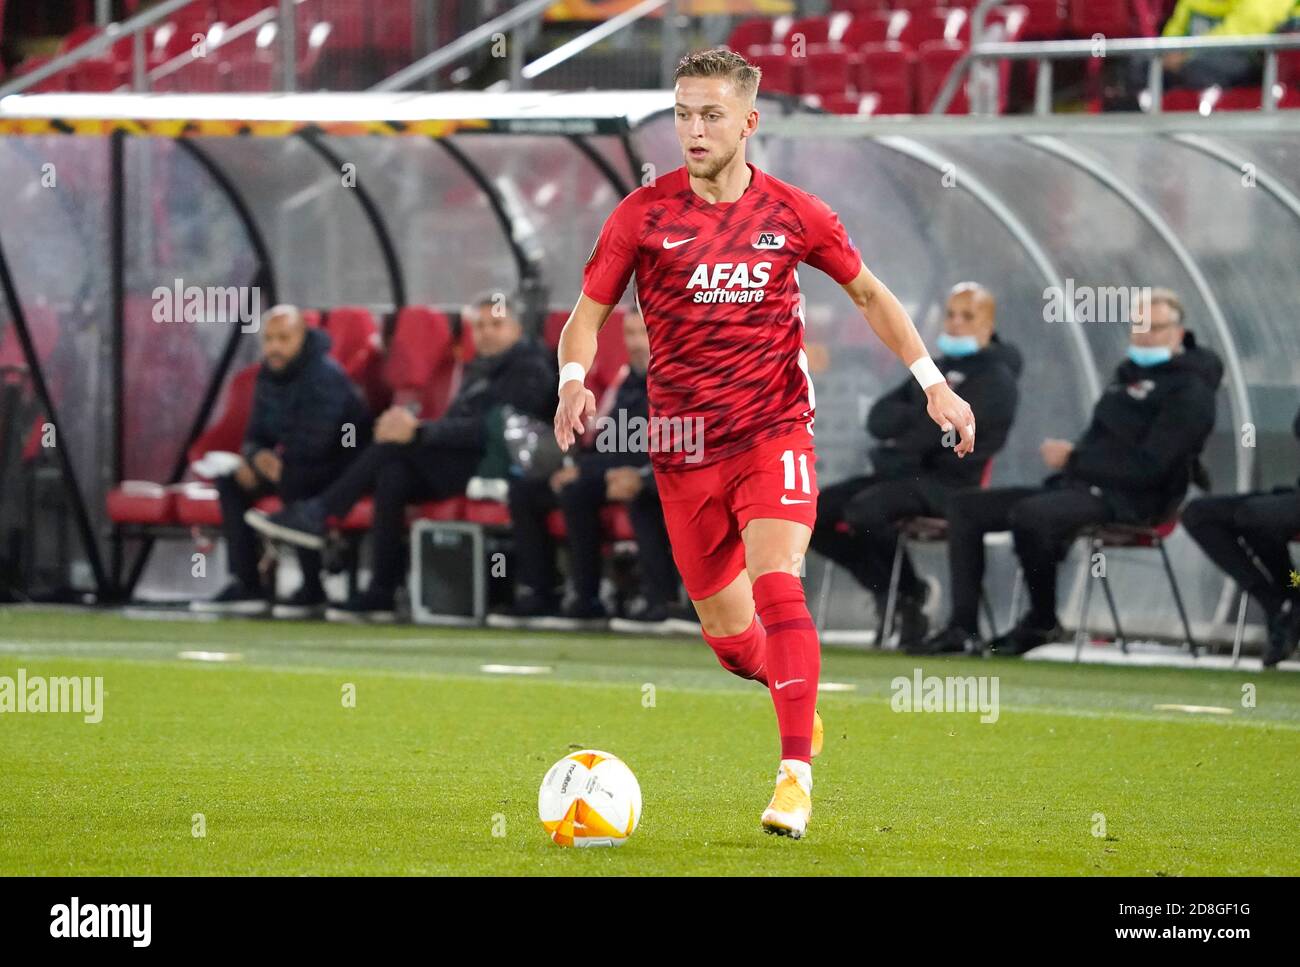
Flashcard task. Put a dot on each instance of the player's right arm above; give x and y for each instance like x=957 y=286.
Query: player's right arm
x=604 y=279
x=577 y=352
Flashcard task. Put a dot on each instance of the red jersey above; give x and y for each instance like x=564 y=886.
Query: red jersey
x=719 y=289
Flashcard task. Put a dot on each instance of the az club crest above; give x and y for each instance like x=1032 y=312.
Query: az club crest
x=767 y=240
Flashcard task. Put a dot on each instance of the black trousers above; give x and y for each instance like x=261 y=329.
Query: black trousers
x=1236 y=531
x=872 y=509
x=241 y=542
x=1042 y=520
x=581 y=500
x=398 y=474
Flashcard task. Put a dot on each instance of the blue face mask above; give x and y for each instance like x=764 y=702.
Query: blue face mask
x=958 y=346
x=1150 y=355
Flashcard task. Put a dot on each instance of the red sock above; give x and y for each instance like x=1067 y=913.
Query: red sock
x=793 y=659
x=742 y=654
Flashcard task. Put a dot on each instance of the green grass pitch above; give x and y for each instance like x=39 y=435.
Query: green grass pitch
x=436 y=768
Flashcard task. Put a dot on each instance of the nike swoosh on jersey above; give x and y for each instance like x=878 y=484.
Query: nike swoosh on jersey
x=668 y=244
x=787 y=500
x=781 y=685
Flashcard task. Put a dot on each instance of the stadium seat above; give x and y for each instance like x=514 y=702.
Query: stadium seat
x=829 y=70
x=756 y=32
x=226 y=432
x=356 y=345
x=1110 y=18
x=857 y=104
x=875 y=28
x=235 y=11
x=813 y=30
x=886 y=70
x=59 y=83
x=935 y=60
x=1045 y=19
x=780 y=72
x=418 y=366
x=934 y=25
x=611 y=354
x=1128 y=536
x=858 y=7
x=142 y=503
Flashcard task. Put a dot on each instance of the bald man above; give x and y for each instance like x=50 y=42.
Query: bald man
x=306 y=425
x=915 y=469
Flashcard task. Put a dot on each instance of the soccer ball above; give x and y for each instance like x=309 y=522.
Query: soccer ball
x=589 y=798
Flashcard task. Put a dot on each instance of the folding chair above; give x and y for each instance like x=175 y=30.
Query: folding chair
x=1129 y=536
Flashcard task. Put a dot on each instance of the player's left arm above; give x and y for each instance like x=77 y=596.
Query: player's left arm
x=890 y=321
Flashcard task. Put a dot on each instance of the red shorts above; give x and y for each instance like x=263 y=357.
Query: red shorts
x=706 y=508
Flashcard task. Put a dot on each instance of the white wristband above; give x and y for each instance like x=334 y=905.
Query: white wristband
x=926 y=372
x=572 y=371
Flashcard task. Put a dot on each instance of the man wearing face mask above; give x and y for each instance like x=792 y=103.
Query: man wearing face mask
x=915 y=470
x=1132 y=465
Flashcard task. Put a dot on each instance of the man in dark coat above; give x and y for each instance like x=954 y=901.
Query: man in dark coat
x=307 y=424
x=915 y=469
x=1246 y=536
x=1132 y=465
x=605 y=471
x=413 y=461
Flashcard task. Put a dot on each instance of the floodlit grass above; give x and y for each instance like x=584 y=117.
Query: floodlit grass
x=437 y=755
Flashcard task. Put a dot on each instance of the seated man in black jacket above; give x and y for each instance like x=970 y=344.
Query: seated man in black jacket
x=916 y=470
x=306 y=424
x=1246 y=536
x=1132 y=465
x=412 y=461
x=604 y=472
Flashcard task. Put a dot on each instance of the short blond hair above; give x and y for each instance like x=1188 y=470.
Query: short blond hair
x=721 y=62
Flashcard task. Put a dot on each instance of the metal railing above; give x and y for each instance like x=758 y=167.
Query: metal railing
x=1046 y=52
x=596 y=34
x=516 y=22
x=181 y=61
x=113 y=34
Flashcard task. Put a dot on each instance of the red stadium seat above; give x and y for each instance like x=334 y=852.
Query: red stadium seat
x=57 y=84
x=813 y=30
x=857 y=104
x=97 y=75
x=142 y=503
x=419 y=363
x=933 y=25
x=1045 y=21
x=356 y=345
x=886 y=70
x=829 y=70
x=552 y=326
x=876 y=28
x=234 y=11
x=226 y=432
x=1110 y=18
x=934 y=61
x=756 y=32
x=859 y=6
x=780 y=72
x=611 y=354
